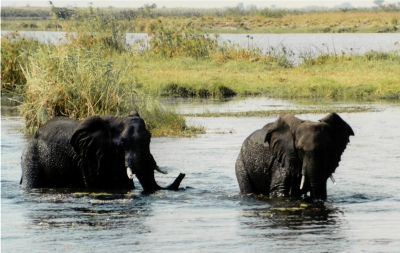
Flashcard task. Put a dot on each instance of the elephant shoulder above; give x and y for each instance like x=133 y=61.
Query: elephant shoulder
x=56 y=128
x=258 y=136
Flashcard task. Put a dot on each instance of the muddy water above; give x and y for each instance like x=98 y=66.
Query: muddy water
x=207 y=214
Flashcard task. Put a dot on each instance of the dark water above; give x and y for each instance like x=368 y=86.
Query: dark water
x=207 y=214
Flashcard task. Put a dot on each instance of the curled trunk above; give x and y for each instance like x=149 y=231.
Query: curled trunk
x=149 y=183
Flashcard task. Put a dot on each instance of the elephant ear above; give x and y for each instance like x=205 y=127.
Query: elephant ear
x=341 y=132
x=92 y=141
x=281 y=139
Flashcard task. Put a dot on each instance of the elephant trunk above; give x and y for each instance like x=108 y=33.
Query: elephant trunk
x=314 y=180
x=143 y=166
x=318 y=190
x=149 y=183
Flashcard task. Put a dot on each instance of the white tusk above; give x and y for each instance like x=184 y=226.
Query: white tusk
x=161 y=170
x=333 y=179
x=303 y=178
x=129 y=173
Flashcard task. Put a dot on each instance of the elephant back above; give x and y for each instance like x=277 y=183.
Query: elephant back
x=56 y=129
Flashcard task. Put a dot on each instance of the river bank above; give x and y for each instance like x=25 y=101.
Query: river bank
x=95 y=71
x=383 y=19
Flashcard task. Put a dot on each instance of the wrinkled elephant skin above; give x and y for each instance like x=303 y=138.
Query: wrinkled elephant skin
x=291 y=157
x=100 y=152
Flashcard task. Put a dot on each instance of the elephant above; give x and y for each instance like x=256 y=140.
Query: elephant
x=100 y=152
x=291 y=157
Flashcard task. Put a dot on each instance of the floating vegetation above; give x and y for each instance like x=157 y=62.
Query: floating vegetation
x=279 y=112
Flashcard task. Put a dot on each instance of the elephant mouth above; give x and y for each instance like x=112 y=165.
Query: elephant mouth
x=130 y=172
x=314 y=188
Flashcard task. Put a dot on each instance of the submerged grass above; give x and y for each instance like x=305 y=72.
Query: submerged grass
x=280 y=112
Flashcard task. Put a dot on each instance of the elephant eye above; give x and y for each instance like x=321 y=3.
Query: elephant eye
x=123 y=143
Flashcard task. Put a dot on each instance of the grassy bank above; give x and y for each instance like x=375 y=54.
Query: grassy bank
x=228 y=20
x=94 y=73
x=279 y=112
x=327 y=76
x=90 y=74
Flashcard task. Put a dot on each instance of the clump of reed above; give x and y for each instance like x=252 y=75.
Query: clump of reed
x=92 y=27
x=185 y=41
x=14 y=54
x=90 y=74
x=72 y=81
x=278 y=55
x=163 y=122
x=181 y=40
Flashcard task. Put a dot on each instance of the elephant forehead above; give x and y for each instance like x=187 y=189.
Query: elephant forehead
x=135 y=128
x=313 y=136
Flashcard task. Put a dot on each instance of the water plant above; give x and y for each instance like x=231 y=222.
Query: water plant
x=14 y=53
x=90 y=74
x=183 y=40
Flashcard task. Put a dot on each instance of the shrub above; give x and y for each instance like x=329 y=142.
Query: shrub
x=180 y=41
x=390 y=56
x=272 y=13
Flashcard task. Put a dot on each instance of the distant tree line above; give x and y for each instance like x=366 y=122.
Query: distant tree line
x=151 y=11
x=8 y=12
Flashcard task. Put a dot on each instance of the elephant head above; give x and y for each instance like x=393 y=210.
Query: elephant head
x=112 y=149
x=310 y=151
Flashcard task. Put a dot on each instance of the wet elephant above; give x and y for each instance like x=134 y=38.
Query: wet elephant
x=100 y=152
x=291 y=157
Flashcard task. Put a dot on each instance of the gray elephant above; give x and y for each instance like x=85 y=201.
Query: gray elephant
x=291 y=157
x=100 y=152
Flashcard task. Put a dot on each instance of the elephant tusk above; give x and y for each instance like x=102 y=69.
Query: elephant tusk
x=333 y=179
x=129 y=173
x=161 y=170
x=303 y=178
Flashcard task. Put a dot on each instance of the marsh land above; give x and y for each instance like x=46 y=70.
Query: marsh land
x=94 y=70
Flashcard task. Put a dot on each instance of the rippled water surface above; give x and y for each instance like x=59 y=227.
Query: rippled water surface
x=207 y=214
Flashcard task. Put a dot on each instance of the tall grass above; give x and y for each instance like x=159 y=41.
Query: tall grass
x=14 y=54
x=94 y=73
x=72 y=81
x=185 y=41
x=90 y=74
x=180 y=41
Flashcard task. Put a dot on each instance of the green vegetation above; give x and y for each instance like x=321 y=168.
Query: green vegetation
x=383 y=18
x=95 y=73
x=14 y=53
x=279 y=112
x=90 y=74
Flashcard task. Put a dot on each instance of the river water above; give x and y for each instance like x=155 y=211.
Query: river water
x=314 y=44
x=207 y=214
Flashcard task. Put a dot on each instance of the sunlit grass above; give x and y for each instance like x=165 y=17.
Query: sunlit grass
x=280 y=112
x=86 y=76
x=94 y=73
x=337 y=77
x=225 y=21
